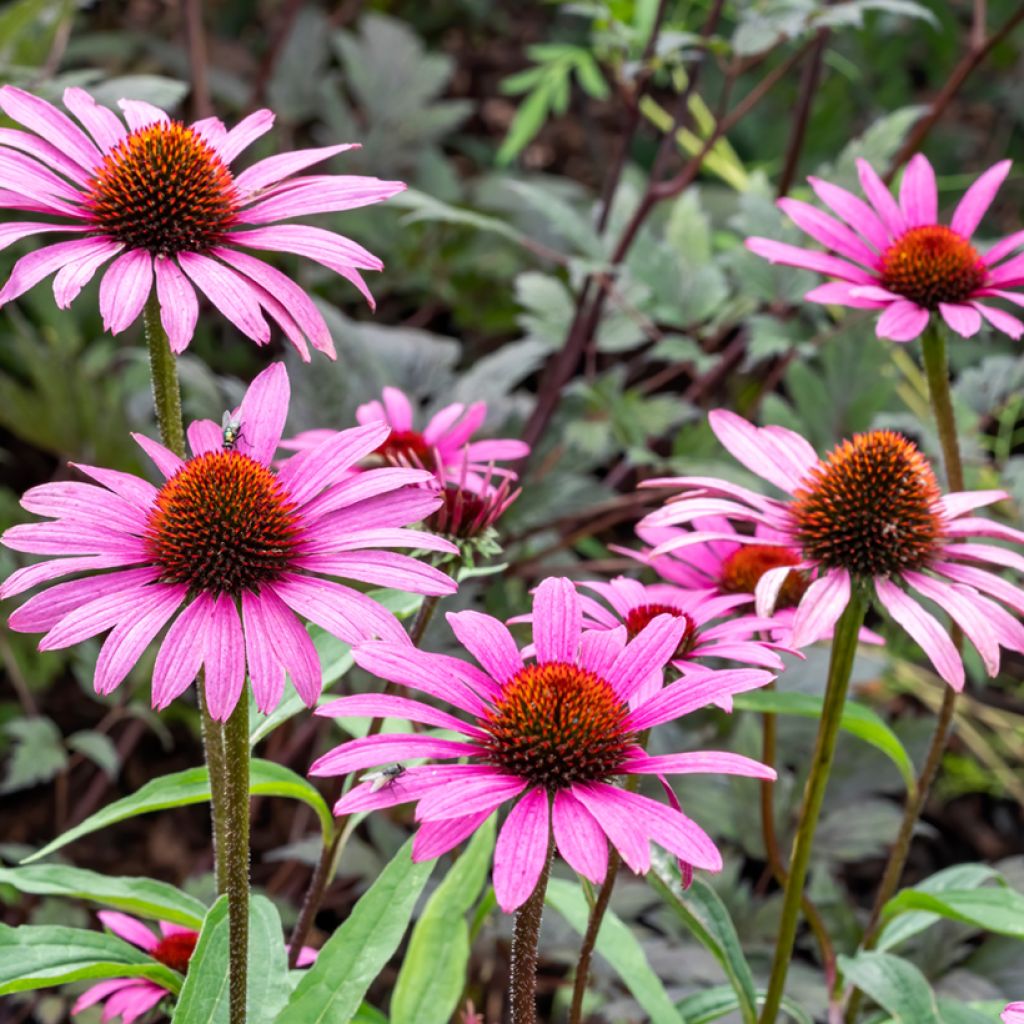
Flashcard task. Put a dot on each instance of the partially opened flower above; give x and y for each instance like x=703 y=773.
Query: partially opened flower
x=896 y=257
x=1013 y=1014
x=445 y=442
x=870 y=514
x=228 y=552
x=130 y=998
x=158 y=198
x=547 y=735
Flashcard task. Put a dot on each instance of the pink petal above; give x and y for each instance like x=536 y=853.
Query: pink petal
x=102 y=124
x=125 y=288
x=977 y=199
x=621 y=825
x=881 y=199
x=84 y=503
x=381 y=705
x=306 y=474
x=1004 y=247
x=266 y=673
x=224 y=657
x=384 y=569
x=579 y=838
x=646 y=654
x=820 y=608
x=371 y=751
x=47 y=155
x=229 y=292
x=414 y=782
x=669 y=828
x=919 y=197
x=766 y=592
x=521 y=850
x=557 y=620
x=49 y=123
x=273 y=169
x=833 y=235
x=165 y=460
x=965 y=320
x=204 y=436
x=43 y=572
x=95 y=616
x=98 y=992
x=332 y=250
x=600 y=647
x=132 y=488
x=320 y=194
x=808 y=259
x=181 y=653
x=854 y=211
x=839 y=293
x=31 y=269
x=272 y=630
x=73 y=277
x=755 y=449
x=132 y=1002
x=435 y=838
x=129 y=929
x=489 y=641
x=140 y=114
x=263 y=412
x=686 y=695
x=987 y=582
x=902 y=321
x=179 y=307
x=398 y=410
x=246 y=132
x=1001 y=321
x=471 y=795
x=705 y=761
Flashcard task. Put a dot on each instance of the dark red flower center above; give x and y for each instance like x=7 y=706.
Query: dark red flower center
x=176 y=950
x=870 y=507
x=637 y=619
x=163 y=189
x=932 y=264
x=404 y=448
x=742 y=570
x=222 y=524
x=556 y=724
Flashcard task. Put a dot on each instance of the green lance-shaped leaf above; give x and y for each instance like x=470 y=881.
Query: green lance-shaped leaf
x=193 y=787
x=433 y=972
x=895 y=984
x=333 y=989
x=712 y=1004
x=996 y=909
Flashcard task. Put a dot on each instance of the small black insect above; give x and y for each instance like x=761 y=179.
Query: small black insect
x=386 y=776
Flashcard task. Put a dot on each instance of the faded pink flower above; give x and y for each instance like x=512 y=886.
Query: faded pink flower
x=546 y=735
x=1013 y=1014
x=896 y=257
x=870 y=514
x=157 y=197
x=228 y=552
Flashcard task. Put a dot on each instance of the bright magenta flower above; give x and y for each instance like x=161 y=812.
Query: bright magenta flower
x=1013 y=1014
x=897 y=257
x=868 y=514
x=230 y=553
x=548 y=734
x=158 y=198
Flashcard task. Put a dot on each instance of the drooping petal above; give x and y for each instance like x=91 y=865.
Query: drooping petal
x=477 y=793
x=224 y=658
x=622 y=827
x=179 y=306
x=436 y=838
x=902 y=321
x=125 y=288
x=181 y=654
x=74 y=276
x=579 y=838
x=229 y=292
x=1001 y=320
x=965 y=320
x=521 y=850
x=32 y=268
x=820 y=607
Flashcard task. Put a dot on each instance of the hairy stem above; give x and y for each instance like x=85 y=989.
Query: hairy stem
x=236 y=855
x=604 y=896
x=525 y=936
x=844 y=646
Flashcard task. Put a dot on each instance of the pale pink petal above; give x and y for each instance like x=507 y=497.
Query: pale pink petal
x=50 y=123
x=370 y=751
x=579 y=838
x=319 y=194
x=822 y=228
x=808 y=259
x=1008 y=274
x=557 y=620
x=960 y=502
x=211 y=130
x=711 y=762
x=46 y=154
x=43 y=572
x=84 y=503
x=224 y=658
x=179 y=306
x=384 y=569
x=766 y=592
x=334 y=251
x=925 y=630
x=129 y=929
x=125 y=288
x=382 y=705
x=965 y=320
x=266 y=672
x=854 y=211
x=73 y=277
x=1013 y=1014
x=669 y=828
x=306 y=474
x=1000 y=320
x=647 y=654
x=383 y=537
x=977 y=199
x=181 y=653
x=1003 y=557
x=445 y=427
x=204 y=436
x=489 y=641
x=372 y=412
x=881 y=199
x=95 y=616
x=686 y=695
x=496 y=450
x=435 y=838
x=919 y=197
x=902 y=321
x=15 y=230
x=165 y=460
x=277 y=628
x=32 y=268
x=1004 y=247
x=478 y=793
x=140 y=114
x=273 y=169
x=132 y=488
x=839 y=293
x=397 y=409
x=102 y=990
x=521 y=850
x=102 y=124
x=414 y=782
x=229 y=292
x=626 y=831
x=246 y=132
x=130 y=1003
x=987 y=582
x=754 y=449
x=820 y=608
x=263 y=412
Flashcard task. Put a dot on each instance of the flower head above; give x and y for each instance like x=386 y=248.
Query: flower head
x=228 y=552
x=869 y=514
x=549 y=734
x=158 y=198
x=1013 y=1014
x=896 y=257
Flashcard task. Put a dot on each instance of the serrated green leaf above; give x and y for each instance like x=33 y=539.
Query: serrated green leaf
x=98 y=748
x=895 y=984
x=193 y=787
x=528 y=120
x=143 y=896
x=617 y=944
x=37 y=753
x=354 y=955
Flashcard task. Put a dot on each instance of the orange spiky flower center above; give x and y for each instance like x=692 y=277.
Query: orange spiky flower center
x=742 y=570
x=222 y=524
x=164 y=189
x=556 y=724
x=932 y=264
x=870 y=507
x=176 y=950
x=638 y=618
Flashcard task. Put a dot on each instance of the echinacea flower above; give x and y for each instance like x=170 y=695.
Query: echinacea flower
x=130 y=998
x=896 y=257
x=1013 y=1014
x=230 y=553
x=547 y=735
x=445 y=443
x=869 y=514
x=158 y=198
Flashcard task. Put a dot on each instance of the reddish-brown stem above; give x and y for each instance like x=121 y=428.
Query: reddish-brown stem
x=196 y=36
x=805 y=101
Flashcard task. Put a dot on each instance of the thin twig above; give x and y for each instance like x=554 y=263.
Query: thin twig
x=196 y=36
x=805 y=101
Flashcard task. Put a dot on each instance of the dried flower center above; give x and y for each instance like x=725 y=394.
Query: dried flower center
x=640 y=617
x=222 y=524
x=163 y=189
x=176 y=950
x=932 y=264
x=404 y=448
x=742 y=570
x=870 y=507
x=556 y=724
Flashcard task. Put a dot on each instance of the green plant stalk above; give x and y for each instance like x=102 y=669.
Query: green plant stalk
x=236 y=756
x=844 y=647
x=525 y=936
x=936 y=367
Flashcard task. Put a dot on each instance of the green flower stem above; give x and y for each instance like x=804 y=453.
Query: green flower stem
x=844 y=646
x=525 y=936
x=163 y=370
x=236 y=751
x=936 y=367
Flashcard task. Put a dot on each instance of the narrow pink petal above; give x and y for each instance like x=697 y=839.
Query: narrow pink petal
x=95 y=616
x=977 y=199
x=626 y=831
x=181 y=653
x=31 y=269
x=925 y=630
x=987 y=582
x=857 y=214
x=49 y=123
x=15 y=230
x=881 y=199
x=263 y=412
x=822 y=228
x=334 y=251
x=98 y=992
x=808 y=259
x=306 y=474
x=73 y=277
x=165 y=460
x=919 y=196
x=134 y=489
x=446 y=429
x=414 y=782
x=72 y=538
x=600 y=647
x=791 y=449
x=1008 y=274
x=45 y=153
x=479 y=793
x=84 y=503
x=43 y=572
x=382 y=705
x=320 y=194
x=579 y=838
x=224 y=657
x=686 y=695
x=489 y=641
x=497 y=450
x=397 y=409
x=179 y=306
x=1003 y=248
x=959 y=502
x=669 y=828
x=1001 y=321
x=373 y=412
x=211 y=130
x=368 y=488
x=125 y=288
x=557 y=620
x=370 y=751
x=521 y=850
x=965 y=320
x=902 y=321
x=646 y=654
x=245 y=133
x=839 y=293
x=974 y=526
x=204 y=436
x=385 y=569
x=102 y=124
x=383 y=537
x=129 y=928
x=711 y=762
x=275 y=627
x=766 y=592
x=266 y=673
x=131 y=1002
x=273 y=169
x=1013 y=1014
x=140 y=114
x=229 y=292
x=754 y=449
x=435 y=838
x=820 y=607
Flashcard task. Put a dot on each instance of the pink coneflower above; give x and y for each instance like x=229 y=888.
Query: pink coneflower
x=130 y=998
x=444 y=443
x=157 y=197
x=548 y=734
x=1013 y=1014
x=895 y=257
x=230 y=553
x=470 y=514
x=870 y=514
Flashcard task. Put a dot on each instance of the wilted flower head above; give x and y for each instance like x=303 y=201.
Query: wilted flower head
x=546 y=734
x=896 y=257
x=159 y=199
x=230 y=553
x=870 y=514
